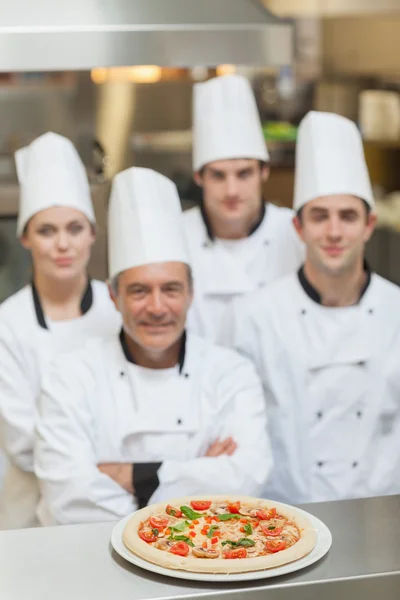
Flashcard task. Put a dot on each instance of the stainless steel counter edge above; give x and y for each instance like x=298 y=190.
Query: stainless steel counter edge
x=78 y=562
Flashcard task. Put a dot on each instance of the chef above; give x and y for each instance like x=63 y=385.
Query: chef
x=56 y=311
x=238 y=242
x=326 y=340
x=151 y=413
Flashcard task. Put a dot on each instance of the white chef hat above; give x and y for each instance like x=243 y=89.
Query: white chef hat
x=330 y=160
x=145 y=223
x=226 y=122
x=50 y=173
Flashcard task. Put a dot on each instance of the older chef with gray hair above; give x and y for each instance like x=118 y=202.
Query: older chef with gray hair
x=326 y=340
x=237 y=241
x=154 y=412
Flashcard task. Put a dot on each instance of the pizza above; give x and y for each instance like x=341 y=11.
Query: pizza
x=219 y=534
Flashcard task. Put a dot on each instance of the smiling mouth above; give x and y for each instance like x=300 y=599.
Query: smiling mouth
x=335 y=251
x=232 y=203
x=156 y=325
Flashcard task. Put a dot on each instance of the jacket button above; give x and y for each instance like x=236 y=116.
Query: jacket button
x=303 y=312
x=186 y=375
x=206 y=244
x=371 y=311
x=320 y=463
x=266 y=242
x=122 y=374
x=179 y=421
x=355 y=464
x=319 y=414
x=359 y=414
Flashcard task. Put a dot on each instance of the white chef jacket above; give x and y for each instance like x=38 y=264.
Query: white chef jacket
x=226 y=269
x=96 y=407
x=28 y=340
x=331 y=378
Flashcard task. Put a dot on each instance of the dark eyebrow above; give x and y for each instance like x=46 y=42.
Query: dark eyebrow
x=318 y=209
x=245 y=170
x=137 y=287
x=177 y=284
x=75 y=222
x=217 y=172
x=349 y=211
x=46 y=225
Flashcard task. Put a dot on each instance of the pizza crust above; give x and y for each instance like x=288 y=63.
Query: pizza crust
x=301 y=548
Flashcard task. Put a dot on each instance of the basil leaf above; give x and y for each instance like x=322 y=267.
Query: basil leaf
x=155 y=531
x=272 y=527
x=180 y=526
x=211 y=531
x=190 y=514
x=248 y=529
x=244 y=542
x=233 y=544
x=228 y=516
x=182 y=538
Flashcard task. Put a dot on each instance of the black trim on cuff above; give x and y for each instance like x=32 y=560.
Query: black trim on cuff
x=145 y=481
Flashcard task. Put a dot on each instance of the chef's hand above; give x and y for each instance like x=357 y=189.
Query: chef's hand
x=218 y=448
x=121 y=473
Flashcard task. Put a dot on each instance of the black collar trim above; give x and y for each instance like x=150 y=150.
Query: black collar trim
x=316 y=296
x=86 y=303
x=207 y=223
x=38 y=307
x=87 y=298
x=130 y=358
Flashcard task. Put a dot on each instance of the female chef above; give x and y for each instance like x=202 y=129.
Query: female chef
x=56 y=311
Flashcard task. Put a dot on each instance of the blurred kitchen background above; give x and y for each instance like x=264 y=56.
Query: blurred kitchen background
x=346 y=59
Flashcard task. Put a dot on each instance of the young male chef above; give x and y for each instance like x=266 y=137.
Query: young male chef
x=238 y=243
x=326 y=340
x=154 y=412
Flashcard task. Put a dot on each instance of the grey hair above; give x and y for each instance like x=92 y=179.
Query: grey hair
x=113 y=282
x=190 y=277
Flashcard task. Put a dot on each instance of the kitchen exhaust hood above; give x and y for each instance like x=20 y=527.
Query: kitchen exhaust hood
x=46 y=35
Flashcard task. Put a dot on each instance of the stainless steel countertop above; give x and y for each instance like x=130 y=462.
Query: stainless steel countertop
x=77 y=563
